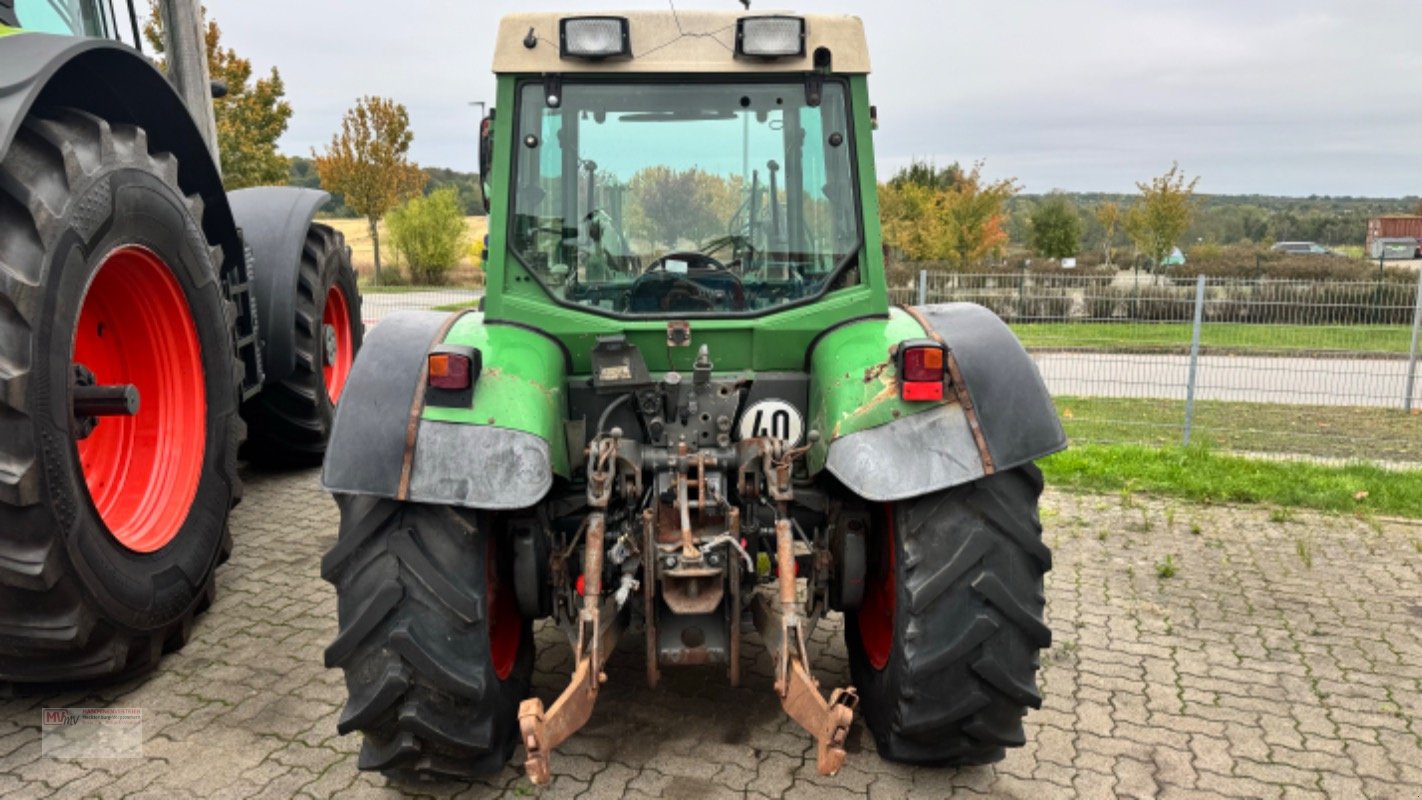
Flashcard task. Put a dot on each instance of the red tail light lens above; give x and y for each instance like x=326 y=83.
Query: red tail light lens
x=450 y=371
x=921 y=370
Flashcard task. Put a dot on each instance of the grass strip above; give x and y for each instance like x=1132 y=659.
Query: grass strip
x=1199 y=475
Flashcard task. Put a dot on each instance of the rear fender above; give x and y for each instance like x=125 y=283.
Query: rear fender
x=500 y=452
x=113 y=81
x=274 y=221
x=997 y=417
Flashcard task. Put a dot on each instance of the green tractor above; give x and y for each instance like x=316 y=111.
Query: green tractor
x=151 y=324
x=686 y=407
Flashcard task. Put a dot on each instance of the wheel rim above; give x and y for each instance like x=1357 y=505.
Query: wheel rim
x=135 y=328
x=876 y=612
x=505 y=624
x=337 y=350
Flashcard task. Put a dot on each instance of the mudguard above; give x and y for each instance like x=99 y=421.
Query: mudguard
x=115 y=82
x=274 y=221
x=998 y=414
x=500 y=452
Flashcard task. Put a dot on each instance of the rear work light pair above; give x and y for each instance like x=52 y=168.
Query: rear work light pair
x=599 y=38
x=923 y=367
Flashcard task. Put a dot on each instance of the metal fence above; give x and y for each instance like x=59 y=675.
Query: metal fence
x=1325 y=371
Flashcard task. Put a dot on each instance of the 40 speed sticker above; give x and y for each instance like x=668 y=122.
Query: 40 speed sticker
x=773 y=418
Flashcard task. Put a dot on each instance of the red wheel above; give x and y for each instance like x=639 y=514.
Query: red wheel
x=505 y=624
x=135 y=328
x=876 y=614
x=337 y=345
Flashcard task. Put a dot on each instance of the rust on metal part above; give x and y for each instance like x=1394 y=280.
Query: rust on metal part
x=649 y=595
x=544 y=730
x=960 y=389
x=402 y=491
x=678 y=333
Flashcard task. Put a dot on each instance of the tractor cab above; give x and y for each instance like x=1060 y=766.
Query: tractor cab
x=95 y=18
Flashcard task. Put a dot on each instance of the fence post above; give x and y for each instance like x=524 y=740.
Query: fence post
x=1412 y=357
x=1194 y=357
x=923 y=287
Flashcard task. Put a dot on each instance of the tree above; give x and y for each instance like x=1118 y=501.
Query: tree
x=429 y=232
x=1162 y=214
x=928 y=175
x=368 y=162
x=960 y=223
x=1108 y=214
x=250 y=119
x=668 y=205
x=1056 y=227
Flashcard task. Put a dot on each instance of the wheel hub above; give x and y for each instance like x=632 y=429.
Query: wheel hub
x=328 y=345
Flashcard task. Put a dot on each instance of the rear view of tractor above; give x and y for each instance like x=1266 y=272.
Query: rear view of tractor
x=150 y=326
x=685 y=409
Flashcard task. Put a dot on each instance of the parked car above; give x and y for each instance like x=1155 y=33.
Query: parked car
x=1302 y=248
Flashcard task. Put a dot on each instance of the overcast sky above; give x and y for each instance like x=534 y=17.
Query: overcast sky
x=1293 y=97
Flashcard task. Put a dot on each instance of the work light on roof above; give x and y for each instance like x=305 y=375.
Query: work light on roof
x=595 y=37
x=770 y=37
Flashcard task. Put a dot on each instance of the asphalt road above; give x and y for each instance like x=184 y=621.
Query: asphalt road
x=1255 y=379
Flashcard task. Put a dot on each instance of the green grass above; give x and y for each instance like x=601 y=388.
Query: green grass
x=457 y=306
x=1175 y=336
x=1199 y=475
x=1336 y=432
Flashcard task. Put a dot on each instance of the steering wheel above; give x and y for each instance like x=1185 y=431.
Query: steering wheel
x=684 y=292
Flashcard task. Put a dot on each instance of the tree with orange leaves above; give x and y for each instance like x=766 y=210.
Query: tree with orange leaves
x=368 y=162
x=959 y=220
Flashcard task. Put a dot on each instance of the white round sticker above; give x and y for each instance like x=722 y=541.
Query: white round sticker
x=773 y=418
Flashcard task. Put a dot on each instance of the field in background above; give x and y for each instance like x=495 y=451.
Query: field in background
x=357 y=234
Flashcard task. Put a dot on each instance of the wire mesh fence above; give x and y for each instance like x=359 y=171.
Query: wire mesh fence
x=1319 y=370
x=1325 y=371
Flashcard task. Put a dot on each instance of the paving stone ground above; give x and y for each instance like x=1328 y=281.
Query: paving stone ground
x=1282 y=659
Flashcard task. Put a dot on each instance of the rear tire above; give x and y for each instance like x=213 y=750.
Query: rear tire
x=108 y=545
x=289 y=422
x=436 y=656
x=944 y=649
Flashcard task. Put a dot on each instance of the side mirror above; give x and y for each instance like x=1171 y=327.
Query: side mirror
x=486 y=156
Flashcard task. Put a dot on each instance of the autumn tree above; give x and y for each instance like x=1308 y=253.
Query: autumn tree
x=1108 y=214
x=1162 y=214
x=368 y=162
x=960 y=221
x=1056 y=227
x=250 y=118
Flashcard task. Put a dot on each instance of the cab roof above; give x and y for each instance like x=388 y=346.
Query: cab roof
x=686 y=41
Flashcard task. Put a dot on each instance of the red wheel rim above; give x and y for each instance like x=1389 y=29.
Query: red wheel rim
x=876 y=613
x=505 y=624
x=337 y=350
x=135 y=328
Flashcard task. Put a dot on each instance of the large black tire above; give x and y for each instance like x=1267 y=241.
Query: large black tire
x=289 y=422
x=413 y=587
x=76 y=603
x=966 y=619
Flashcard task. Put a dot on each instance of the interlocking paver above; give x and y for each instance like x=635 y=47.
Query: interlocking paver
x=1248 y=674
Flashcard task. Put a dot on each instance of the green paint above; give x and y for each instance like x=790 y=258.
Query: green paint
x=6 y=30
x=853 y=383
x=521 y=387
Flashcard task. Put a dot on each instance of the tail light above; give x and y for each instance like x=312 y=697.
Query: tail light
x=452 y=371
x=922 y=365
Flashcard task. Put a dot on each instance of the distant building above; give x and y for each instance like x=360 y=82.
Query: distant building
x=1393 y=226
